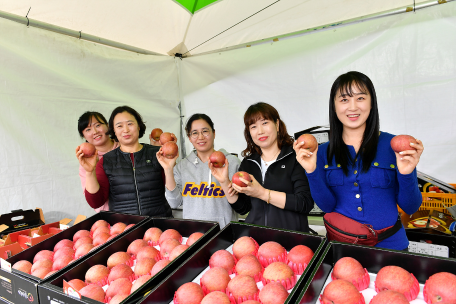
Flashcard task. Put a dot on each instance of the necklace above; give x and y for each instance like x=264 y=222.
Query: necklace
x=267 y=163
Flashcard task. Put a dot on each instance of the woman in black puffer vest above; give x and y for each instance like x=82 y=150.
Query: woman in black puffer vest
x=130 y=176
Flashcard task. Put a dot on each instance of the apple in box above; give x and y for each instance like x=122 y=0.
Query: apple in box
x=88 y=149
x=310 y=142
x=217 y=159
x=401 y=143
x=155 y=134
x=170 y=150
x=241 y=174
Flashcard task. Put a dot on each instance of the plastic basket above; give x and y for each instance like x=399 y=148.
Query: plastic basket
x=436 y=201
x=433 y=201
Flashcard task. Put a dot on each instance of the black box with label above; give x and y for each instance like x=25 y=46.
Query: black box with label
x=373 y=259
x=164 y=292
x=17 y=283
x=51 y=292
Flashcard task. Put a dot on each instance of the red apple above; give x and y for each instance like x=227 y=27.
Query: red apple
x=310 y=142
x=217 y=159
x=170 y=149
x=165 y=137
x=155 y=134
x=88 y=149
x=242 y=174
x=340 y=291
x=440 y=288
x=402 y=143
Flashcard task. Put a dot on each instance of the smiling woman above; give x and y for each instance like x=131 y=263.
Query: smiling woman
x=93 y=127
x=279 y=194
x=189 y=182
x=356 y=174
x=130 y=175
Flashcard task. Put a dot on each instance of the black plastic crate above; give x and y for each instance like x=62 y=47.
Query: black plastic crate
x=19 y=287
x=373 y=259
x=164 y=293
x=431 y=236
x=52 y=290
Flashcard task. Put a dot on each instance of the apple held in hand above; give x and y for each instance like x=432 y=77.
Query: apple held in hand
x=310 y=142
x=402 y=143
x=155 y=134
x=242 y=174
x=169 y=149
x=88 y=149
x=217 y=159
x=165 y=137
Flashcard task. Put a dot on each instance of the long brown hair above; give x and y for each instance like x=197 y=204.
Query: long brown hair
x=262 y=110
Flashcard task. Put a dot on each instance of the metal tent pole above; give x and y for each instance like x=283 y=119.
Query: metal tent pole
x=61 y=30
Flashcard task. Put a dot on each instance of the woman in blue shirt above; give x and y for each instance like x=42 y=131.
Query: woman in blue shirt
x=356 y=173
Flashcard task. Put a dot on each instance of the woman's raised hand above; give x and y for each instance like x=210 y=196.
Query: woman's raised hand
x=88 y=163
x=220 y=174
x=408 y=160
x=307 y=159
x=253 y=188
x=166 y=163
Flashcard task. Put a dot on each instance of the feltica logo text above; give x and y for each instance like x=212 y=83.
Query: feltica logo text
x=201 y=190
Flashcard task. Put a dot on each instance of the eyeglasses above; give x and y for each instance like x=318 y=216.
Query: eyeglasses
x=195 y=134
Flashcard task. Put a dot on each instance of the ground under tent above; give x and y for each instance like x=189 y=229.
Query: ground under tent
x=47 y=80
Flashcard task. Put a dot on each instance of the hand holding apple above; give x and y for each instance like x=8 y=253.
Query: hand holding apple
x=166 y=163
x=241 y=178
x=306 y=158
x=407 y=160
x=220 y=173
x=217 y=158
x=153 y=141
x=310 y=142
x=253 y=188
x=88 y=163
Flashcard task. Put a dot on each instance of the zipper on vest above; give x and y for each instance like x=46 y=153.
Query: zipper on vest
x=136 y=186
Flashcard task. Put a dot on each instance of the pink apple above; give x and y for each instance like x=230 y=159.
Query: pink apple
x=242 y=174
x=401 y=143
x=217 y=159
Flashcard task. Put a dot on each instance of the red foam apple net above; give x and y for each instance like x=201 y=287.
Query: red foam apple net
x=288 y=283
x=266 y=261
x=412 y=293
x=361 y=283
x=361 y=300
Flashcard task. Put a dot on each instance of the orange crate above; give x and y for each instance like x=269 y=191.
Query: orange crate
x=433 y=201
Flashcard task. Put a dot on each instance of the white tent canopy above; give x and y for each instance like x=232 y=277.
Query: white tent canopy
x=169 y=27
x=47 y=80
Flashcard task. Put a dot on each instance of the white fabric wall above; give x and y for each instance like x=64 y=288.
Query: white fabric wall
x=409 y=57
x=46 y=82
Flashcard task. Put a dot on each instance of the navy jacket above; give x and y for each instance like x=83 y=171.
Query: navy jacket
x=284 y=175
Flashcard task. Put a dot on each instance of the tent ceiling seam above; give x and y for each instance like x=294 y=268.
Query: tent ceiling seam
x=397 y=11
x=232 y=26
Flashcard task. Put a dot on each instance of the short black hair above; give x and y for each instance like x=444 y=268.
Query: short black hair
x=198 y=116
x=337 y=148
x=86 y=119
x=118 y=110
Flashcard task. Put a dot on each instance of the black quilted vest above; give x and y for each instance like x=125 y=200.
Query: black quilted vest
x=139 y=189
